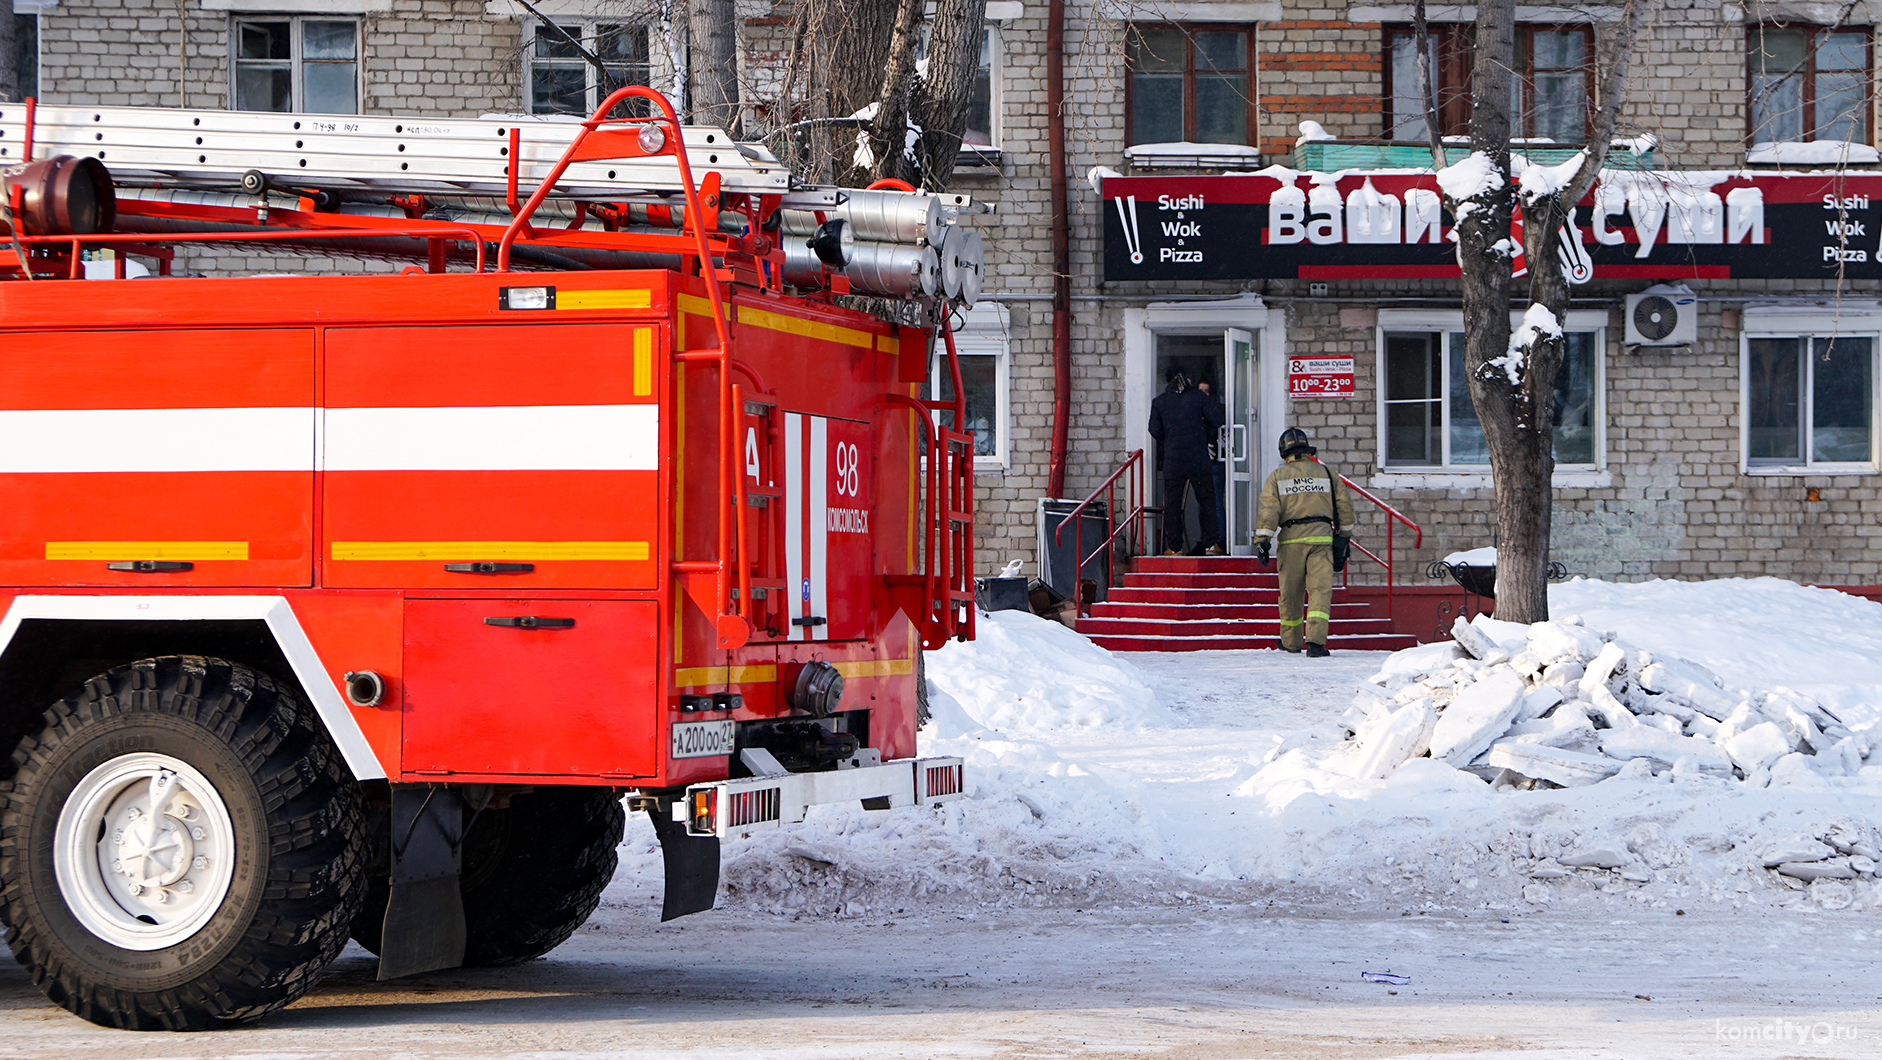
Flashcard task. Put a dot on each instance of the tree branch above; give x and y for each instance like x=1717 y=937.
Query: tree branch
x=608 y=84
x=1426 y=93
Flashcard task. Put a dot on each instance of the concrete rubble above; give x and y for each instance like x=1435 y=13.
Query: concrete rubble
x=1556 y=704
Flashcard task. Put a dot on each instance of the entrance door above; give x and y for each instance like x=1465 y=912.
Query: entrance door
x=1239 y=436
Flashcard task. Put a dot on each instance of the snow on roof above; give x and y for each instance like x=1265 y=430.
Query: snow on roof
x=1813 y=152
x=1185 y=149
x=1471 y=177
x=1311 y=131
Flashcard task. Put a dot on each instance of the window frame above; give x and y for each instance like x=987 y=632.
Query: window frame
x=1454 y=41
x=297 y=84
x=589 y=36
x=1251 y=128
x=1815 y=32
x=984 y=334
x=988 y=153
x=1447 y=322
x=1803 y=322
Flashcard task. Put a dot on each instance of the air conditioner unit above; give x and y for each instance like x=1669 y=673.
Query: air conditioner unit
x=1665 y=314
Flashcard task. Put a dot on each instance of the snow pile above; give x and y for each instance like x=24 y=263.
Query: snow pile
x=1750 y=632
x=1666 y=751
x=1022 y=673
x=1557 y=704
x=1312 y=132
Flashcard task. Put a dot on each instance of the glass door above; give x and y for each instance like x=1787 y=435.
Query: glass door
x=1239 y=436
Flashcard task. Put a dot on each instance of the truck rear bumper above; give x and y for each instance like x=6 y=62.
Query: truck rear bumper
x=753 y=804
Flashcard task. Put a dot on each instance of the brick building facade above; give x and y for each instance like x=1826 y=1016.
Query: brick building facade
x=1666 y=483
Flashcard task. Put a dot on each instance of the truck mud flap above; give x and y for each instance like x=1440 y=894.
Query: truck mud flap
x=692 y=863
x=424 y=929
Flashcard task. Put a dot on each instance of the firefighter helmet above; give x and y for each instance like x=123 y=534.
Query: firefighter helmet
x=1294 y=440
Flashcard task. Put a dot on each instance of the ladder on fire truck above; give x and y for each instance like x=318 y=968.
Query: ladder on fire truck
x=620 y=186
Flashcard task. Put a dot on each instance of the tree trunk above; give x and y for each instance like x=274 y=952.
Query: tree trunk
x=954 y=38
x=673 y=34
x=1505 y=405
x=713 y=65
x=888 y=134
x=9 y=54
x=845 y=48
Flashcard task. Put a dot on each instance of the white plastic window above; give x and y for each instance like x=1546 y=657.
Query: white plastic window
x=1427 y=421
x=985 y=355
x=562 y=81
x=1809 y=394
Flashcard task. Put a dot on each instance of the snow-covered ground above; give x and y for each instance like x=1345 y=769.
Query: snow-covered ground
x=1152 y=779
x=1141 y=871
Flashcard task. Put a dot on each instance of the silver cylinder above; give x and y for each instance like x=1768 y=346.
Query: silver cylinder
x=893 y=269
x=880 y=216
x=948 y=251
x=972 y=257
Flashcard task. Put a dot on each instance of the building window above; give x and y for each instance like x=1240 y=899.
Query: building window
x=1429 y=421
x=561 y=81
x=1807 y=83
x=303 y=64
x=1809 y=399
x=983 y=100
x=980 y=134
x=26 y=56
x=982 y=343
x=1549 y=94
x=1190 y=83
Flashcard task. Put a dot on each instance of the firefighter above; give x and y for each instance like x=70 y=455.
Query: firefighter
x=1185 y=420
x=1307 y=516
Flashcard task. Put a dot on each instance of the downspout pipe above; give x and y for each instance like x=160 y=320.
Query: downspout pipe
x=1061 y=248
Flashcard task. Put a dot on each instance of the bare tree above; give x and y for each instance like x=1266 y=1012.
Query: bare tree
x=954 y=36
x=1512 y=371
x=713 y=65
x=860 y=80
x=9 y=53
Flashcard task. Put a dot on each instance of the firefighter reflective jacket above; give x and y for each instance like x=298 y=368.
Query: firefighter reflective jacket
x=1299 y=502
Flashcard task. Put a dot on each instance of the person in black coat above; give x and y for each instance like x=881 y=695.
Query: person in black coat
x=1184 y=421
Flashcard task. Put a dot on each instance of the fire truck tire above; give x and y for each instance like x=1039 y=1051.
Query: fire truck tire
x=180 y=847
x=532 y=874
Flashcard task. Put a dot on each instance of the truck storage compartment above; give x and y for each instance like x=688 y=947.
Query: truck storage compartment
x=531 y=687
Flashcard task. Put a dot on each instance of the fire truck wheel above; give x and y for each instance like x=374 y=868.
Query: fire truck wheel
x=180 y=847
x=532 y=874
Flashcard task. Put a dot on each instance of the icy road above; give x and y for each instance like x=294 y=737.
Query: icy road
x=1114 y=889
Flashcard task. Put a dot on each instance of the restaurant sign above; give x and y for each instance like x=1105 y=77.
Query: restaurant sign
x=1354 y=225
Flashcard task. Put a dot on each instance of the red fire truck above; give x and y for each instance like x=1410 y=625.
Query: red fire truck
x=351 y=605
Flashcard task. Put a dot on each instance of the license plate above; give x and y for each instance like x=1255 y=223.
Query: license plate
x=703 y=739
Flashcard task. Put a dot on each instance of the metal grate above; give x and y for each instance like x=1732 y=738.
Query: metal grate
x=754 y=807
x=944 y=780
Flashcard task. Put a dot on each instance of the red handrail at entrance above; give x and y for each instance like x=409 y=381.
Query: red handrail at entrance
x=1132 y=472
x=1392 y=515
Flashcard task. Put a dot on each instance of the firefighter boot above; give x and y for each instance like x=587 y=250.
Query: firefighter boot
x=1315 y=651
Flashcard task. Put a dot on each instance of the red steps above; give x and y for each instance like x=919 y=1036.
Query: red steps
x=1192 y=603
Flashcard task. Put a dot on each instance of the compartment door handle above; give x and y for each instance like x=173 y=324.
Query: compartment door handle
x=530 y=622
